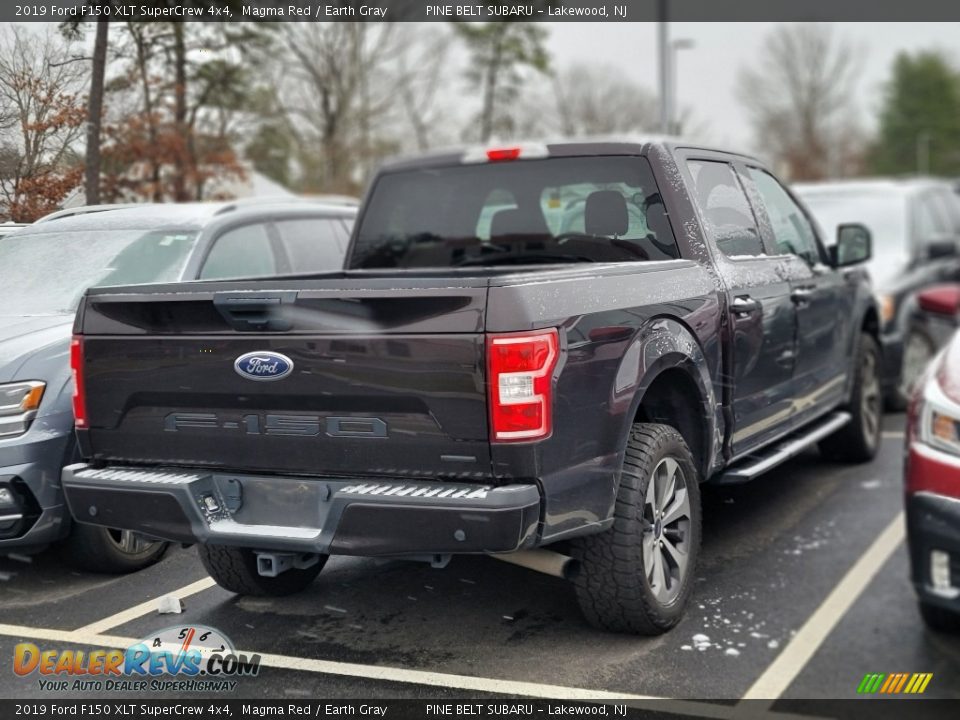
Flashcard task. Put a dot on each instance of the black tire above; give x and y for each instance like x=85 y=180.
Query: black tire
x=918 y=349
x=859 y=440
x=940 y=619
x=102 y=550
x=613 y=585
x=235 y=569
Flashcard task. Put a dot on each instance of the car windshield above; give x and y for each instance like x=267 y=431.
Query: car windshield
x=883 y=213
x=46 y=273
x=557 y=210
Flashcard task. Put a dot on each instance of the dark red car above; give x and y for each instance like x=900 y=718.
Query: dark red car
x=933 y=477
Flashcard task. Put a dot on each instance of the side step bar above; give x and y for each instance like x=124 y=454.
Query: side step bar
x=768 y=458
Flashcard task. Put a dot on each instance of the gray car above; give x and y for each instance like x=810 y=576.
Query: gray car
x=44 y=270
x=915 y=225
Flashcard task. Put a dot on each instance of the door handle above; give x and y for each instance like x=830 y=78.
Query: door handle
x=801 y=296
x=744 y=305
x=255 y=314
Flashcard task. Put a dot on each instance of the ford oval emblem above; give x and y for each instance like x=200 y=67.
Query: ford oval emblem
x=263 y=365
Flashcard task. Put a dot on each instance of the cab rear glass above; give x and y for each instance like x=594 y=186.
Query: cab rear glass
x=555 y=210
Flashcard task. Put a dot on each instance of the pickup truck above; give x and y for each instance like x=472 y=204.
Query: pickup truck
x=528 y=346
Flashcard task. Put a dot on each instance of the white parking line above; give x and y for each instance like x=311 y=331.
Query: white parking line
x=144 y=608
x=423 y=677
x=783 y=671
x=894 y=434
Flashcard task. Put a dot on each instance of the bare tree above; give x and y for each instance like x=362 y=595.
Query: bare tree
x=800 y=96
x=335 y=92
x=419 y=79
x=95 y=111
x=43 y=117
x=596 y=100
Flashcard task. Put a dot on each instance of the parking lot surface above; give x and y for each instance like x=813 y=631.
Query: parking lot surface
x=802 y=589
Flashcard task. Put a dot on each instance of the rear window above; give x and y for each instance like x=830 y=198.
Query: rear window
x=558 y=210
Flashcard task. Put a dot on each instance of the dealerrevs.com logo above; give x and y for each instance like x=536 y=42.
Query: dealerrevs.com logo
x=194 y=658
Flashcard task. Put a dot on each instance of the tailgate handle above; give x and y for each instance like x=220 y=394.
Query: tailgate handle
x=260 y=314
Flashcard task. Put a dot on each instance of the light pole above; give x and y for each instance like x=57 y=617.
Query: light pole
x=663 y=58
x=675 y=47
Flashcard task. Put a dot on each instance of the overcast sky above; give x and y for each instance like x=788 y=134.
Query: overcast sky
x=707 y=72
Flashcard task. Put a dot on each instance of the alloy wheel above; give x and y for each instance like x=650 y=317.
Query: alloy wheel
x=128 y=542
x=666 y=531
x=870 y=400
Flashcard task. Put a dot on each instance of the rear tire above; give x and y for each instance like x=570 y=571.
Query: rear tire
x=940 y=619
x=235 y=569
x=637 y=576
x=859 y=440
x=104 y=550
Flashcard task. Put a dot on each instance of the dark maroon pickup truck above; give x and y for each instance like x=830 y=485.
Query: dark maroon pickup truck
x=531 y=346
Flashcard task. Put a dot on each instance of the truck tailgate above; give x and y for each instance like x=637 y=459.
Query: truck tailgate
x=384 y=380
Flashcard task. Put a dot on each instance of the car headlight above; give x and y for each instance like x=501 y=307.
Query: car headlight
x=888 y=309
x=939 y=419
x=19 y=402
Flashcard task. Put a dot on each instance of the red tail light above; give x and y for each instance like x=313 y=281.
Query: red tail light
x=79 y=391
x=520 y=381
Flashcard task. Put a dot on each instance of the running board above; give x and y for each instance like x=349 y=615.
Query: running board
x=768 y=458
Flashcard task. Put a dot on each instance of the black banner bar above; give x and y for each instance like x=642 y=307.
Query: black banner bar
x=500 y=10
x=510 y=709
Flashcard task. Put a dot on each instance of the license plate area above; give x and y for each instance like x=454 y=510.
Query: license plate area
x=275 y=501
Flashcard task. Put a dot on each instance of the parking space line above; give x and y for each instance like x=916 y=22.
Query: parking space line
x=894 y=434
x=693 y=708
x=790 y=662
x=144 y=608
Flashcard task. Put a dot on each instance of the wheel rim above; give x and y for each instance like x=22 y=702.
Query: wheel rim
x=129 y=542
x=917 y=353
x=666 y=531
x=870 y=397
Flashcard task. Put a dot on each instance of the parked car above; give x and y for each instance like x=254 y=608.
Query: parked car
x=933 y=482
x=938 y=312
x=44 y=270
x=915 y=226
x=456 y=393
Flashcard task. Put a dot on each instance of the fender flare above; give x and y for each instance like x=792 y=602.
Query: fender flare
x=664 y=344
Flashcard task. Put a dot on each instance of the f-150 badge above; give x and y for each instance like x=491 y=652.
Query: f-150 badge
x=263 y=365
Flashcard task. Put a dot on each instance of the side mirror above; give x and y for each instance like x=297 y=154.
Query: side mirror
x=940 y=300
x=941 y=248
x=854 y=245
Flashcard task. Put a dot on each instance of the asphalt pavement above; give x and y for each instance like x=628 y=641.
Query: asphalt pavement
x=802 y=589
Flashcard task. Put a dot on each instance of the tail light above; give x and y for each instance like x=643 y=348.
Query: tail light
x=79 y=390
x=520 y=381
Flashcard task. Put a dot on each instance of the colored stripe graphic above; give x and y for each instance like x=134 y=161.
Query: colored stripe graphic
x=894 y=683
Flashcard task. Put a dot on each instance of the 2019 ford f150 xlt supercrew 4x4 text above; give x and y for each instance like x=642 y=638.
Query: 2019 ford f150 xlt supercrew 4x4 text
x=527 y=345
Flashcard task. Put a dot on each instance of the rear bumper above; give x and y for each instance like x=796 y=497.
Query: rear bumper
x=374 y=517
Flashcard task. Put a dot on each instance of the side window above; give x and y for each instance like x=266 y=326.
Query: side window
x=312 y=244
x=931 y=220
x=244 y=251
x=726 y=211
x=792 y=230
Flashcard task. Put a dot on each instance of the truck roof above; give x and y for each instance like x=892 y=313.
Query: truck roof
x=620 y=144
